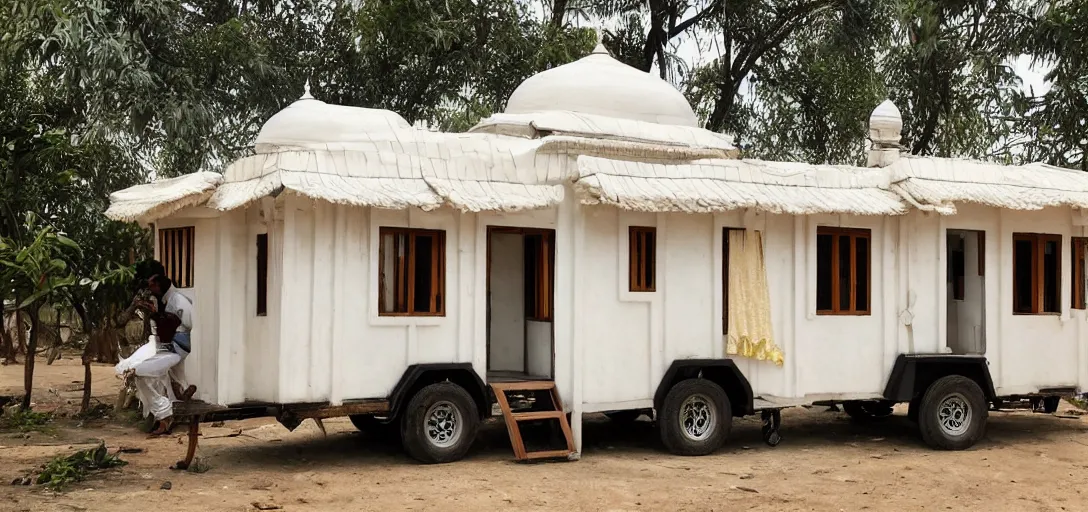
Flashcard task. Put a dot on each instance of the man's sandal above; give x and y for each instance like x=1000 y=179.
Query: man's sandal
x=164 y=428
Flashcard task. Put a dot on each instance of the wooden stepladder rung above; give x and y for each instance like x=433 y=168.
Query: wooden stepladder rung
x=513 y=418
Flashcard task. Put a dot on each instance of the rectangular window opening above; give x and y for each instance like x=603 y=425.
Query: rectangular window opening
x=411 y=272
x=642 y=258
x=1080 y=259
x=957 y=267
x=262 y=274
x=176 y=250
x=843 y=271
x=1036 y=261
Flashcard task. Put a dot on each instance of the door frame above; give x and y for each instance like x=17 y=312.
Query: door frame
x=550 y=234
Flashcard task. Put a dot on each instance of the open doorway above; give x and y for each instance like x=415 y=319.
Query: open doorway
x=520 y=304
x=966 y=279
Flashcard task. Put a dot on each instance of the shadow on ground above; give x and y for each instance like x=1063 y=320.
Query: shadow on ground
x=803 y=429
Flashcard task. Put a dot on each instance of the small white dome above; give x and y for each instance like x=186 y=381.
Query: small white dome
x=886 y=123
x=308 y=121
x=598 y=84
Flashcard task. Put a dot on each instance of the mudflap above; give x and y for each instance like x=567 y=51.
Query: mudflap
x=772 y=421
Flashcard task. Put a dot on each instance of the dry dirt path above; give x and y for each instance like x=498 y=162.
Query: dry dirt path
x=825 y=462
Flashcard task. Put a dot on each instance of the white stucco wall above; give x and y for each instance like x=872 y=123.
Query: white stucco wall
x=612 y=346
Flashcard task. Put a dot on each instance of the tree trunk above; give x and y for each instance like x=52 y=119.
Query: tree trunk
x=31 y=345
x=559 y=12
x=20 y=333
x=86 y=403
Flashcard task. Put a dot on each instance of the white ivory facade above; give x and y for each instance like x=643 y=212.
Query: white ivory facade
x=323 y=339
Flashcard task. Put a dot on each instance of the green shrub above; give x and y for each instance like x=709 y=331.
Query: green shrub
x=24 y=421
x=64 y=470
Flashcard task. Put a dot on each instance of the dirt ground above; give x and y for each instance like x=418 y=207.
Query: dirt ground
x=1026 y=462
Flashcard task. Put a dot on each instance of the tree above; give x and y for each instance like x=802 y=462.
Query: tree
x=97 y=301
x=746 y=31
x=948 y=70
x=811 y=96
x=35 y=273
x=661 y=20
x=1055 y=122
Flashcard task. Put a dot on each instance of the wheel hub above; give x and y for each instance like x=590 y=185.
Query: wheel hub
x=443 y=424
x=698 y=417
x=954 y=415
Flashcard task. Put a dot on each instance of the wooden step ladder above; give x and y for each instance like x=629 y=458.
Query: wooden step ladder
x=513 y=418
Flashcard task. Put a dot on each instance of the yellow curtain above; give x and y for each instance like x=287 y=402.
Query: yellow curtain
x=749 y=330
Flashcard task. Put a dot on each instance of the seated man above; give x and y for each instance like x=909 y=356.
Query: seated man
x=155 y=375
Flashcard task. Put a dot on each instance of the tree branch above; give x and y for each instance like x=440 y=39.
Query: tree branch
x=679 y=28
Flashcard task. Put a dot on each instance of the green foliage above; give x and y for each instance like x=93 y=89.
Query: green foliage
x=948 y=68
x=1053 y=126
x=64 y=470
x=811 y=98
x=38 y=270
x=19 y=420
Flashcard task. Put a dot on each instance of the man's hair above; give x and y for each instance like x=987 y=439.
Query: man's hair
x=145 y=270
x=163 y=282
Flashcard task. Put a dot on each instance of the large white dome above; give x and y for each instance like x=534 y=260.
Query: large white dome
x=309 y=121
x=598 y=84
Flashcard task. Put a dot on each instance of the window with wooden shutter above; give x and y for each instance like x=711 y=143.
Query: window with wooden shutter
x=642 y=258
x=176 y=249
x=262 y=274
x=539 y=251
x=1036 y=279
x=411 y=272
x=843 y=271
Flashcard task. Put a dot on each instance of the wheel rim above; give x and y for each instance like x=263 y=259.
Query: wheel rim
x=954 y=415
x=698 y=417
x=443 y=424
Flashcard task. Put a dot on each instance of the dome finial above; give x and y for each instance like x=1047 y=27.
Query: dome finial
x=600 y=49
x=306 y=91
x=885 y=131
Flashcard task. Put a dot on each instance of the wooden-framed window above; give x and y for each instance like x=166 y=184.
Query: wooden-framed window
x=843 y=271
x=1080 y=265
x=642 y=257
x=539 y=267
x=1036 y=280
x=262 y=274
x=176 y=249
x=411 y=272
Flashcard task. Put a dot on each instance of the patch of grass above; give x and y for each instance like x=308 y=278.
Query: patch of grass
x=96 y=412
x=18 y=420
x=199 y=466
x=1080 y=403
x=64 y=470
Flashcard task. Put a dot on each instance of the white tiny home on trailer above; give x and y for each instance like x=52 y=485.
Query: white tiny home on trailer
x=592 y=235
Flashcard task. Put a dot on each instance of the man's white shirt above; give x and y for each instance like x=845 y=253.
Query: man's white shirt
x=181 y=306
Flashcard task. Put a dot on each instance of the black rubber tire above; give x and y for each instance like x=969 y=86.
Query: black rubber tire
x=668 y=422
x=862 y=411
x=1051 y=403
x=929 y=423
x=624 y=417
x=373 y=426
x=413 y=429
